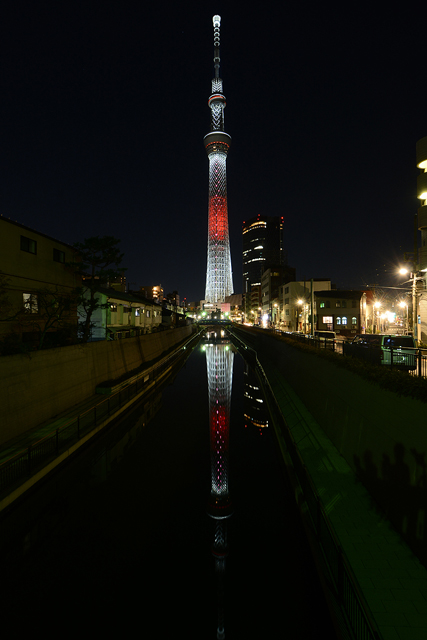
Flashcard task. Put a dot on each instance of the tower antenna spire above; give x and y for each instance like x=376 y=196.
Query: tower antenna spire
x=216 y=20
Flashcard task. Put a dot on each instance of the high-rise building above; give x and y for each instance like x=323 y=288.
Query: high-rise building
x=422 y=195
x=262 y=248
x=219 y=281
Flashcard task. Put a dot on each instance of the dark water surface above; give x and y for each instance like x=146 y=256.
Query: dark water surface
x=119 y=544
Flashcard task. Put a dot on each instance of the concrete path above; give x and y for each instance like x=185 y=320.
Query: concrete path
x=391 y=578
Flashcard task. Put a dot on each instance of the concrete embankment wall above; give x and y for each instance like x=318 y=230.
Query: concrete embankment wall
x=38 y=386
x=381 y=435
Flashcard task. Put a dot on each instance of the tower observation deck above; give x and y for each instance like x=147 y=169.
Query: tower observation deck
x=219 y=280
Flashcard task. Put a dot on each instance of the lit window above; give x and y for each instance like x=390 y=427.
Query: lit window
x=28 y=245
x=327 y=319
x=354 y=321
x=113 y=306
x=338 y=320
x=30 y=301
x=322 y=305
x=338 y=303
x=344 y=320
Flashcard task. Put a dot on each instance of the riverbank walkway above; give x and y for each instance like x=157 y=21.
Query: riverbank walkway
x=390 y=577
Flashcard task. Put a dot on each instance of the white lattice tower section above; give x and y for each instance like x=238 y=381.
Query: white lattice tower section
x=219 y=279
x=219 y=362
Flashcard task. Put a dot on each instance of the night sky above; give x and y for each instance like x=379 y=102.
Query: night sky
x=104 y=110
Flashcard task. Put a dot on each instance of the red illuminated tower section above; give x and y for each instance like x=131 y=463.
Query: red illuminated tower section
x=219 y=279
x=219 y=361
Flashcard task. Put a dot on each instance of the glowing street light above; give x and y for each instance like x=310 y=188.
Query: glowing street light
x=377 y=306
x=402 y=305
x=413 y=277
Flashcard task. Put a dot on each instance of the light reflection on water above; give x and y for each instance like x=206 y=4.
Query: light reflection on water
x=123 y=532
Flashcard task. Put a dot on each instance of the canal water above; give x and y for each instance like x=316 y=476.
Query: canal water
x=176 y=522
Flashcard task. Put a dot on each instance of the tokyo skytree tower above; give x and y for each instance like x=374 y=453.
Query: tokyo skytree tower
x=219 y=280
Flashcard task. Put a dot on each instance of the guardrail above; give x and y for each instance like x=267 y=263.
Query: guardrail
x=26 y=462
x=411 y=359
x=345 y=584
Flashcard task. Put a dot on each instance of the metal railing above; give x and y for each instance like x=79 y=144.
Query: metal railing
x=411 y=359
x=345 y=584
x=25 y=463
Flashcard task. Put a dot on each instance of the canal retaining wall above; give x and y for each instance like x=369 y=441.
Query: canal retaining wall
x=380 y=434
x=36 y=387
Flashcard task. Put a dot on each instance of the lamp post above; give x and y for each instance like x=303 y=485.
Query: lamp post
x=377 y=306
x=300 y=302
x=402 y=305
x=413 y=277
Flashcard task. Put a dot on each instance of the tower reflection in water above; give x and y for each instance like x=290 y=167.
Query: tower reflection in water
x=219 y=362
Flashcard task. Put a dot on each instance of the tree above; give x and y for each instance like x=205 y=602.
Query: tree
x=7 y=310
x=54 y=312
x=99 y=264
x=49 y=311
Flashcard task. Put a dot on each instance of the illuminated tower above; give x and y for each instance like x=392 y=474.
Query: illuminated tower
x=219 y=362
x=219 y=280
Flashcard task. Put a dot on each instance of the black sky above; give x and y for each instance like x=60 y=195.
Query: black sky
x=104 y=110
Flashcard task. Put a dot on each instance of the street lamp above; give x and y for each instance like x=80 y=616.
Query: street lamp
x=377 y=306
x=300 y=302
x=402 y=305
x=304 y=311
x=413 y=277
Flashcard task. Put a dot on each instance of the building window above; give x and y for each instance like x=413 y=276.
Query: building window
x=59 y=256
x=322 y=305
x=286 y=290
x=137 y=312
x=113 y=306
x=286 y=300
x=344 y=320
x=148 y=313
x=286 y=312
x=327 y=304
x=329 y=322
x=30 y=301
x=338 y=320
x=354 y=321
x=343 y=304
x=28 y=245
x=338 y=304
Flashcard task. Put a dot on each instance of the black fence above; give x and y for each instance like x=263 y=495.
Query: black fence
x=412 y=360
x=26 y=463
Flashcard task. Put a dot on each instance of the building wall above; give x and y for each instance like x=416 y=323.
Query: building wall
x=262 y=247
x=28 y=272
x=292 y=314
x=39 y=386
x=343 y=312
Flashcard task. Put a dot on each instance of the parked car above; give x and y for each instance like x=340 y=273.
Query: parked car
x=388 y=349
x=325 y=335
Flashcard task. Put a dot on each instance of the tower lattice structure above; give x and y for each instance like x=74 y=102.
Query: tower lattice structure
x=219 y=362
x=219 y=279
